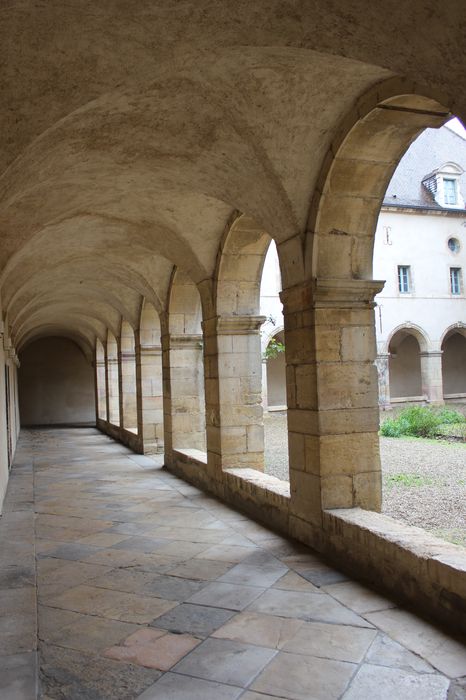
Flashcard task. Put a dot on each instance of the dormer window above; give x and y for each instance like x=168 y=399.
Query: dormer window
x=449 y=191
x=443 y=184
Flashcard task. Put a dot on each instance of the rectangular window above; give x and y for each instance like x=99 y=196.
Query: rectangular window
x=449 y=191
x=455 y=280
x=404 y=279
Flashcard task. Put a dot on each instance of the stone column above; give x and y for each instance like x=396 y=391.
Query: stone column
x=128 y=418
x=101 y=389
x=382 y=364
x=113 y=391
x=265 y=397
x=233 y=375
x=150 y=396
x=431 y=376
x=183 y=392
x=333 y=414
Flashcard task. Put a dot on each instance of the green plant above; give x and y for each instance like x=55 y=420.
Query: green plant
x=448 y=415
x=273 y=349
x=420 y=421
x=408 y=480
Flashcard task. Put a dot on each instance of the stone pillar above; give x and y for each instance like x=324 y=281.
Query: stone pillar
x=431 y=376
x=150 y=396
x=113 y=391
x=382 y=364
x=333 y=414
x=183 y=392
x=128 y=416
x=265 y=397
x=101 y=389
x=233 y=375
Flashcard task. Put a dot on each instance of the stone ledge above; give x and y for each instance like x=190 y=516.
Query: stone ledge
x=418 y=567
x=191 y=454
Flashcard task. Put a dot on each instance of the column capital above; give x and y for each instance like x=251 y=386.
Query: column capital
x=233 y=325
x=431 y=353
x=185 y=340
x=155 y=350
x=331 y=292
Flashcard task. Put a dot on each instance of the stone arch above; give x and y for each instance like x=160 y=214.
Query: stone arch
x=113 y=380
x=355 y=174
x=405 y=364
x=239 y=267
x=453 y=346
x=101 y=384
x=127 y=369
x=149 y=366
x=183 y=367
x=419 y=333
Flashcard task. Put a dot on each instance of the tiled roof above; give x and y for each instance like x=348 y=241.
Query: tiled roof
x=432 y=149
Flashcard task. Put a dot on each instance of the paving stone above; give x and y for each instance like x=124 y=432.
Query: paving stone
x=75 y=551
x=18 y=677
x=225 y=661
x=297 y=677
x=292 y=581
x=386 y=652
x=18 y=633
x=226 y=595
x=339 y=642
x=153 y=648
x=322 y=575
x=306 y=606
x=202 y=569
x=75 y=675
x=263 y=630
x=127 y=607
x=91 y=633
x=197 y=620
x=263 y=575
x=396 y=684
x=173 y=686
x=228 y=553
x=443 y=652
x=17 y=576
x=18 y=601
x=357 y=597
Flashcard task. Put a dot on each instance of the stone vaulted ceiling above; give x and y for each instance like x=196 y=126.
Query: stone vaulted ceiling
x=131 y=132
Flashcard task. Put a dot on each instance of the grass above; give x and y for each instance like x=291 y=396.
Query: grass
x=424 y=421
x=408 y=480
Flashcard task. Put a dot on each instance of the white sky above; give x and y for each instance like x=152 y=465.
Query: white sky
x=456 y=126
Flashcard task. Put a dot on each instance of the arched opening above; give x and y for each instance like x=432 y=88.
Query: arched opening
x=150 y=362
x=113 y=380
x=405 y=366
x=128 y=377
x=454 y=365
x=100 y=380
x=184 y=365
x=56 y=384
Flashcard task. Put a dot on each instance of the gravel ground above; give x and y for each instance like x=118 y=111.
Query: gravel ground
x=424 y=481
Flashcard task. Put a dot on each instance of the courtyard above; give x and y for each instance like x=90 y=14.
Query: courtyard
x=424 y=480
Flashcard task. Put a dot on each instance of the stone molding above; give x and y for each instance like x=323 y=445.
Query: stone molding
x=185 y=340
x=234 y=325
x=331 y=293
x=431 y=353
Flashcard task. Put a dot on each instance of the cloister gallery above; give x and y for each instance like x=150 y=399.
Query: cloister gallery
x=150 y=153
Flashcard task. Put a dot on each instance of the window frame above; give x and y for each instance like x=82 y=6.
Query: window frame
x=404 y=279
x=456 y=281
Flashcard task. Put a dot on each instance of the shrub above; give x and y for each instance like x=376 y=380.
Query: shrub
x=420 y=421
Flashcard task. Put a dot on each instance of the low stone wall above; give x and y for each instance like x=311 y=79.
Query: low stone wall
x=128 y=438
x=403 y=561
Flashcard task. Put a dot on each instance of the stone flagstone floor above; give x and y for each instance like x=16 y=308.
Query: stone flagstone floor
x=120 y=581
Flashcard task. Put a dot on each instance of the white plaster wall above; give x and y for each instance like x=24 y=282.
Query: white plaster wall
x=418 y=240
x=56 y=384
